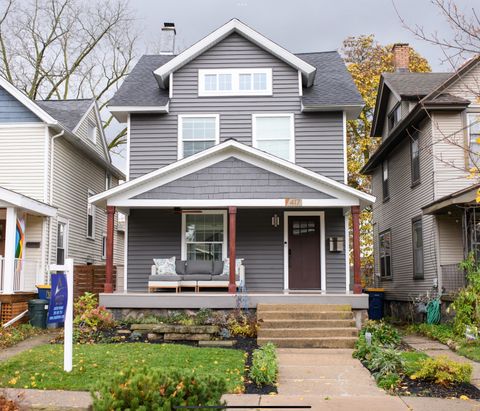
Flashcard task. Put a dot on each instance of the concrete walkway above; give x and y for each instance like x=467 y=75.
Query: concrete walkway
x=434 y=348
x=25 y=345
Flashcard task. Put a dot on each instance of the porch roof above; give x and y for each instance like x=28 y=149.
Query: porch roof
x=461 y=197
x=9 y=198
x=337 y=194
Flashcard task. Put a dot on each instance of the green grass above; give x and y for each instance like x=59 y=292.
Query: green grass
x=42 y=367
x=470 y=350
x=413 y=360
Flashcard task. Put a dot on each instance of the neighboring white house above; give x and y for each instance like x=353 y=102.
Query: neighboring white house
x=53 y=156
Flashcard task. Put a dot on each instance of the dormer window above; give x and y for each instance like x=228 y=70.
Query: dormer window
x=394 y=116
x=235 y=82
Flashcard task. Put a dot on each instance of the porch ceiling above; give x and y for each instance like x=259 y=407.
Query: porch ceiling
x=465 y=196
x=10 y=198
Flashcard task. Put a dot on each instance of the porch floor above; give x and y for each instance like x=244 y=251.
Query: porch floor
x=223 y=300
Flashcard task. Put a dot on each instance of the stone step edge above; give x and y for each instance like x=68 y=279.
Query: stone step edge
x=273 y=339
x=314 y=329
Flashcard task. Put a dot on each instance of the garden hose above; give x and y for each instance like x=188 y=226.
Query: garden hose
x=433 y=312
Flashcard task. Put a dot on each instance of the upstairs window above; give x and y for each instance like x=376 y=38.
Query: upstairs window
x=394 y=116
x=474 y=139
x=92 y=131
x=385 y=187
x=415 y=159
x=197 y=133
x=235 y=82
x=90 y=218
x=274 y=133
x=385 y=254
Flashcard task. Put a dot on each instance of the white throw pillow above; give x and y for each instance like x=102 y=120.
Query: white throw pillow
x=226 y=266
x=165 y=266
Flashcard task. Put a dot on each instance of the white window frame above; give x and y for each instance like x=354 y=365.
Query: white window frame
x=235 y=91
x=104 y=246
x=91 y=207
x=225 y=231
x=292 y=131
x=108 y=181
x=66 y=223
x=180 y=129
x=92 y=131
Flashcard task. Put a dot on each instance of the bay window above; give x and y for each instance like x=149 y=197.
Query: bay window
x=274 y=133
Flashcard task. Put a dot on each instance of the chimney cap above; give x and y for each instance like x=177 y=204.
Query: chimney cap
x=169 y=26
x=401 y=45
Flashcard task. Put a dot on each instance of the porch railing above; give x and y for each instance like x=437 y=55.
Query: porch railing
x=453 y=278
x=25 y=274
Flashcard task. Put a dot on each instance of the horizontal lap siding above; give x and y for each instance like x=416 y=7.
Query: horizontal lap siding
x=335 y=262
x=397 y=213
x=12 y=111
x=318 y=137
x=451 y=239
x=82 y=132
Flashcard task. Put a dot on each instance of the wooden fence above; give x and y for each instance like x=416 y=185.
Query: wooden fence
x=90 y=278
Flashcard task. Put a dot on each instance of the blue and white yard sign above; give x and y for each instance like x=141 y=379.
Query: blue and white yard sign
x=58 y=298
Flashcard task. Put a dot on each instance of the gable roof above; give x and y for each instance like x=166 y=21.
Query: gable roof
x=67 y=112
x=234 y=26
x=231 y=148
x=414 y=84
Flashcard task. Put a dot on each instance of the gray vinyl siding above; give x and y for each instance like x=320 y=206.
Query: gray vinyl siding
x=12 y=111
x=232 y=178
x=335 y=261
x=318 y=136
x=396 y=214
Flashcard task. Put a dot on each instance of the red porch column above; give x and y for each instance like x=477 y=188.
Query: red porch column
x=108 y=288
x=357 y=283
x=232 y=248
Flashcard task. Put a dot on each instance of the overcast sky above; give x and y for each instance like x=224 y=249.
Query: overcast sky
x=302 y=25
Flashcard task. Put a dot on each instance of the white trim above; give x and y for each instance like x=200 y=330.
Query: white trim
x=347 y=253
x=215 y=37
x=300 y=84
x=170 y=86
x=323 y=275
x=66 y=222
x=125 y=255
x=121 y=112
x=10 y=198
x=352 y=110
x=291 y=116
x=235 y=91
x=89 y=194
x=102 y=132
x=220 y=152
x=225 y=231
x=46 y=151
x=345 y=165
x=104 y=246
x=180 y=129
x=127 y=173
x=21 y=125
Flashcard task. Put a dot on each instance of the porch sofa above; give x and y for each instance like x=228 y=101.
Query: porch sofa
x=195 y=274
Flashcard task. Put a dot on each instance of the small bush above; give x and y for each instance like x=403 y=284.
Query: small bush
x=241 y=324
x=382 y=333
x=444 y=371
x=264 y=369
x=90 y=318
x=157 y=390
x=385 y=362
x=389 y=382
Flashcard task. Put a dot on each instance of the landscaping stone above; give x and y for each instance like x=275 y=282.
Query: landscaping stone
x=176 y=328
x=124 y=332
x=186 y=337
x=135 y=336
x=217 y=343
x=153 y=337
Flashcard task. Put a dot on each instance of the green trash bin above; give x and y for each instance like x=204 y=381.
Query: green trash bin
x=37 y=312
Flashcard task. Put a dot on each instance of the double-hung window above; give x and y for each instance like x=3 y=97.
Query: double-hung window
x=474 y=139
x=394 y=116
x=62 y=241
x=90 y=218
x=204 y=235
x=235 y=82
x=417 y=242
x=385 y=185
x=415 y=158
x=274 y=133
x=385 y=254
x=196 y=133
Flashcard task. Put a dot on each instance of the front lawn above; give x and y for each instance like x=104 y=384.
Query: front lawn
x=42 y=367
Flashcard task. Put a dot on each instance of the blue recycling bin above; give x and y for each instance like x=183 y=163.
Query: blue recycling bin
x=376 y=297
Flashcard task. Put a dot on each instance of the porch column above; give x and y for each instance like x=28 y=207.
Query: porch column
x=232 y=248
x=357 y=283
x=108 y=288
x=9 y=261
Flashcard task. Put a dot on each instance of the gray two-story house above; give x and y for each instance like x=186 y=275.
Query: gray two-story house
x=237 y=159
x=424 y=219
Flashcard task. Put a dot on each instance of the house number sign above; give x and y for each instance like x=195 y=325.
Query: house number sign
x=293 y=202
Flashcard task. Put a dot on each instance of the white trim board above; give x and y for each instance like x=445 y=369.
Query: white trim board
x=121 y=112
x=162 y=73
x=10 y=198
x=323 y=265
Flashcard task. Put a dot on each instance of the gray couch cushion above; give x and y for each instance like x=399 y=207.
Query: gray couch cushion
x=197 y=277
x=221 y=277
x=199 y=267
x=172 y=277
x=180 y=267
x=217 y=268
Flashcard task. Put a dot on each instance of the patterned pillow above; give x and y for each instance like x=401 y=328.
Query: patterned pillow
x=226 y=266
x=165 y=266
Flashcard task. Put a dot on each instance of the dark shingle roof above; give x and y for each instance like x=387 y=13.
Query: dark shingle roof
x=140 y=87
x=333 y=83
x=447 y=98
x=414 y=84
x=67 y=112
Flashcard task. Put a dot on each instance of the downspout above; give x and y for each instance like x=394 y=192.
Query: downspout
x=50 y=193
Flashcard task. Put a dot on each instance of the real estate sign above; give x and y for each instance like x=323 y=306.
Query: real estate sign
x=58 y=298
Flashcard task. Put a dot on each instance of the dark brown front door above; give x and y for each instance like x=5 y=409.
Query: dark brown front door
x=304 y=252
x=2 y=237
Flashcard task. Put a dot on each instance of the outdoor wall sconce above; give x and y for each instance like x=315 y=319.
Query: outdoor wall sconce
x=336 y=244
x=275 y=220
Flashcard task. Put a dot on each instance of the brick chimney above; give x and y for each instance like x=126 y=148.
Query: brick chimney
x=401 y=57
x=167 y=39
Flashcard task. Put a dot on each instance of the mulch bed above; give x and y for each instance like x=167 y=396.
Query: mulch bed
x=422 y=388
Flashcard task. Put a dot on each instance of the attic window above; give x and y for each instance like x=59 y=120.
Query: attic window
x=92 y=131
x=394 y=116
x=235 y=82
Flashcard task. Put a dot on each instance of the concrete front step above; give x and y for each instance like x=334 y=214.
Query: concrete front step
x=267 y=324
x=304 y=315
x=298 y=342
x=304 y=307
x=306 y=332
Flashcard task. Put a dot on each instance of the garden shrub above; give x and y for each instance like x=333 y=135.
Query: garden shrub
x=444 y=371
x=158 y=390
x=264 y=369
x=90 y=318
x=242 y=324
x=382 y=333
x=385 y=362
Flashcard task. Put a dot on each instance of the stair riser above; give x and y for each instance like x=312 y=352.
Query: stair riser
x=305 y=315
x=312 y=333
x=300 y=343
x=303 y=307
x=269 y=324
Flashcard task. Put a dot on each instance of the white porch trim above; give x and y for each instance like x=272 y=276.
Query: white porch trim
x=9 y=260
x=323 y=275
x=10 y=198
